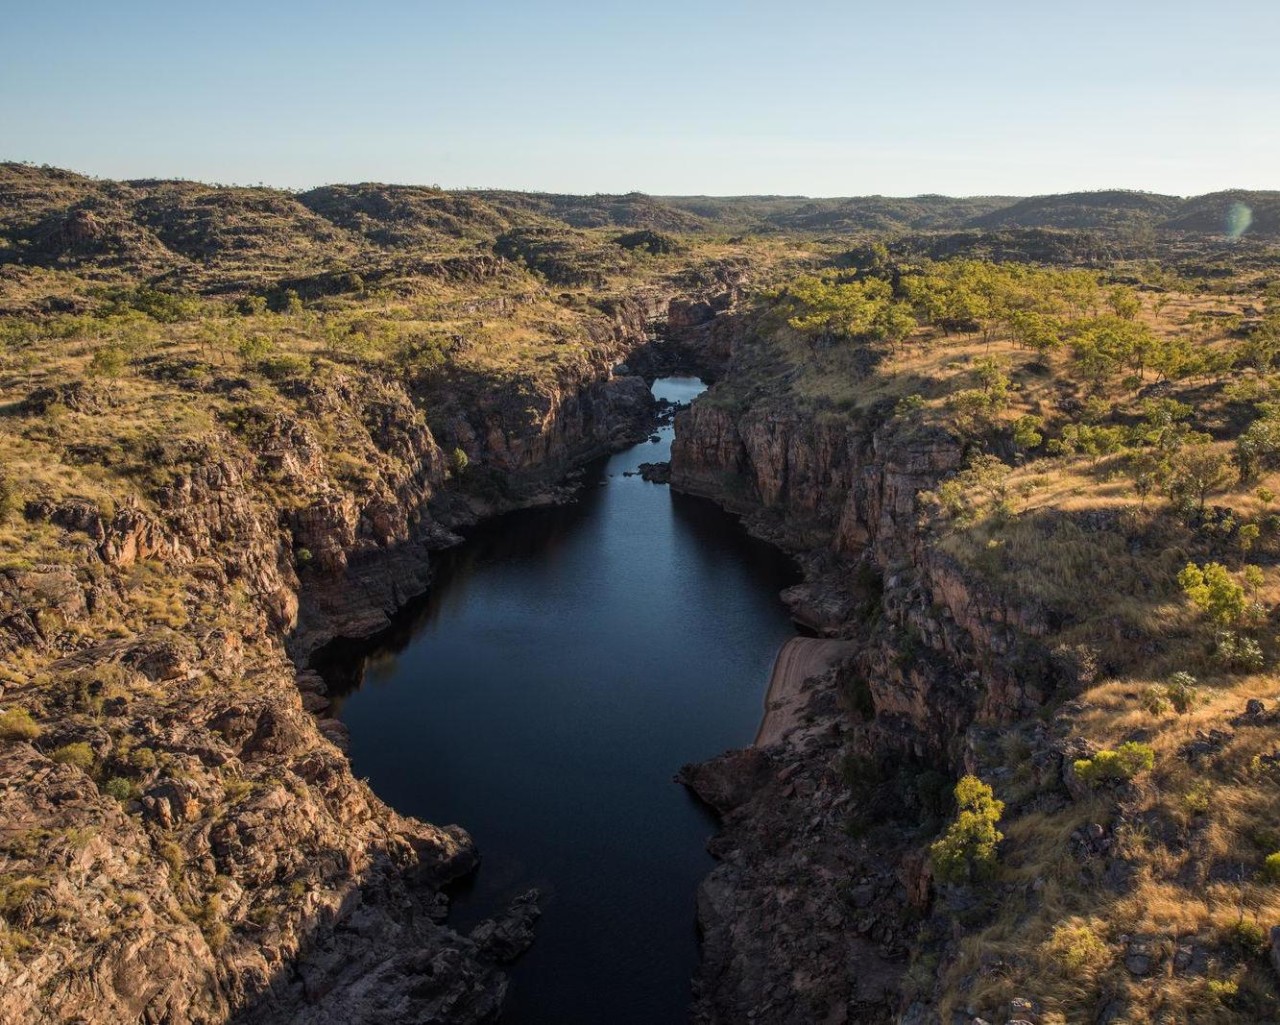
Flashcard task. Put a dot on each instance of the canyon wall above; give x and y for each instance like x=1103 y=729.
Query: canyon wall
x=221 y=862
x=806 y=918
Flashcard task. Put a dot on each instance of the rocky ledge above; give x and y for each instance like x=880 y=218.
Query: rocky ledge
x=796 y=902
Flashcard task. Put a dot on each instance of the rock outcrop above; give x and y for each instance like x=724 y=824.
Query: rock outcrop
x=801 y=921
x=183 y=839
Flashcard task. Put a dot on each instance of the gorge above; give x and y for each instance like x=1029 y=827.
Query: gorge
x=564 y=664
x=300 y=488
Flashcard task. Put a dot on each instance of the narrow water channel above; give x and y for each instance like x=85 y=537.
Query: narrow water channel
x=566 y=662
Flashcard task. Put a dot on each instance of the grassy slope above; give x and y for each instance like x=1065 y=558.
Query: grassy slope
x=1069 y=535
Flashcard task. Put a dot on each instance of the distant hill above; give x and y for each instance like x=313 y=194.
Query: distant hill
x=1082 y=210
x=839 y=216
x=59 y=219
x=396 y=216
x=633 y=210
x=1210 y=214
x=1108 y=211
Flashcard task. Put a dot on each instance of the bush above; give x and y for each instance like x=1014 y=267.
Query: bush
x=459 y=462
x=1234 y=652
x=1124 y=762
x=968 y=850
x=119 y=788
x=1249 y=938
x=17 y=724
x=143 y=759
x=1077 y=948
x=283 y=367
x=1027 y=432
x=79 y=754
x=1271 y=868
x=1199 y=798
x=1181 y=692
x=107 y=362
x=908 y=404
x=1153 y=700
x=171 y=854
x=1211 y=588
x=9 y=499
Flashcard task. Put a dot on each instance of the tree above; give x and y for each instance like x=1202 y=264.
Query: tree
x=1124 y=303
x=1212 y=589
x=1258 y=446
x=459 y=462
x=893 y=323
x=1026 y=432
x=1195 y=473
x=108 y=361
x=968 y=850
x=1085 y=439
x=1037 y=331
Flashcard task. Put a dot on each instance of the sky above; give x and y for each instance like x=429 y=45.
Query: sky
x=807 y=97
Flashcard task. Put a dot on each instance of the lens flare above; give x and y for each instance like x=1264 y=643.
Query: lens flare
x=1239 y=217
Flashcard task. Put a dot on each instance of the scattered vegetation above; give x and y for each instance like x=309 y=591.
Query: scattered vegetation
x=1125 y=762
x=967 y=852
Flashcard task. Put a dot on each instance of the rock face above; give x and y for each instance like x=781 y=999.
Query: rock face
x=184 y=841
x=801 y=922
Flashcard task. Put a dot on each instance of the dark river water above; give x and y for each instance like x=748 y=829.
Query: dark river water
x=566 y=662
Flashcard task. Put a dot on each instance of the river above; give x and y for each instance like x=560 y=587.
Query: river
x=565 y=663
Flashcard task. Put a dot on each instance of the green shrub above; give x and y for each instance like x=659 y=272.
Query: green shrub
x=908 y=404
x=1271 y=868
x=968 y=850
x=459 y=462
x=17 y=724
x=1238 y=653
x=1154 y=700
x=1212 y=588
x=255 y=348
x=1027 y=432
x=282 y=367
x=1179 y=694
x=1198 y=799
x=107 y=362
x=1247 y=937
x=143 y=759
x=119 y=788
x=1224 y=990
x=171 y=854
x=1124 y=762
x=1077 y=948
x=79 y=754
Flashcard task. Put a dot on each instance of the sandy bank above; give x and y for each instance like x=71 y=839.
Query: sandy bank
x=800 y=659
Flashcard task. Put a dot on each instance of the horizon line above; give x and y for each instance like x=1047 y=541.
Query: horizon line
x=630 y=192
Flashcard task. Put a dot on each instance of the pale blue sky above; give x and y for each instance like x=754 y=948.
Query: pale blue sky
x=700 y=96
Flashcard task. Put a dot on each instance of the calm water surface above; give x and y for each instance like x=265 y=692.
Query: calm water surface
x=564 y=665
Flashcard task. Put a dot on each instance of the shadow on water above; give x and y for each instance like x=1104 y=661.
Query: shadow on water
x=566 y=662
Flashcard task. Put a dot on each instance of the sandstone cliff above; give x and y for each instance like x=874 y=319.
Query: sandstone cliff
x=937 y=651
x=183 y=839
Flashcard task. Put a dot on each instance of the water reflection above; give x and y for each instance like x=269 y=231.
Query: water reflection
x=565 y=663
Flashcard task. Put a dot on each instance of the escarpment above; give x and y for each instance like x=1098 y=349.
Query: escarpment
x=821 y=903
x=184 y=839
